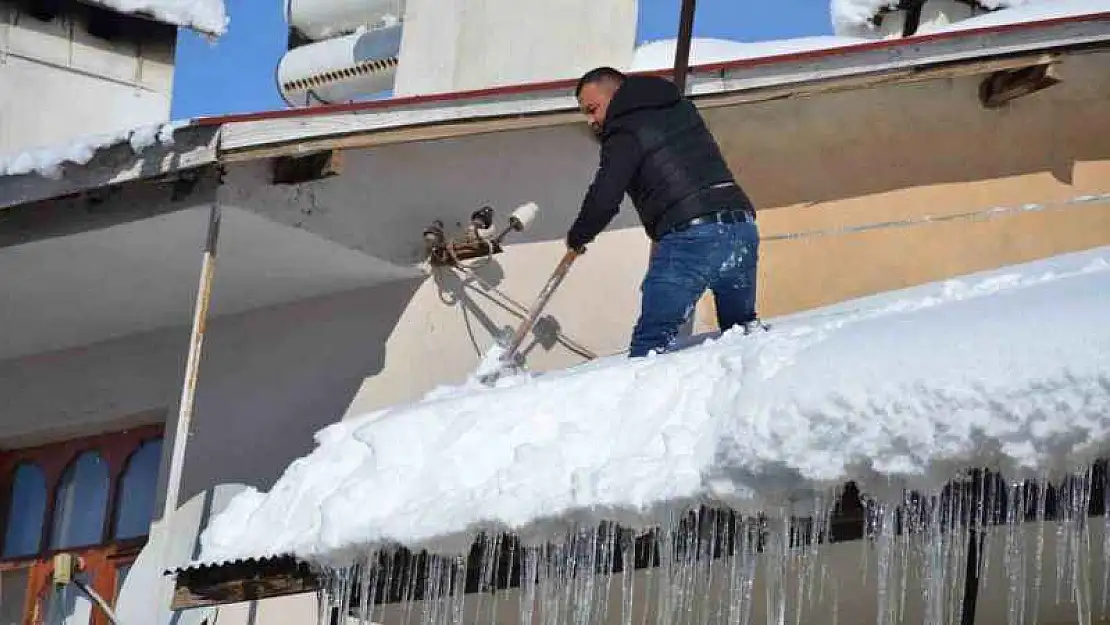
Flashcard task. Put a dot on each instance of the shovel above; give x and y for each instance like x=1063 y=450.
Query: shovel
x=509 y=356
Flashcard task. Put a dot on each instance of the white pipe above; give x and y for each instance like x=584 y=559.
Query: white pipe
x=188 y=389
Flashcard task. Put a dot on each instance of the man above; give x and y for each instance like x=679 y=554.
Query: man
x=656 y=148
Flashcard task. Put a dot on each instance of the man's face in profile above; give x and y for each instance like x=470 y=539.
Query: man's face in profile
x=593 y=101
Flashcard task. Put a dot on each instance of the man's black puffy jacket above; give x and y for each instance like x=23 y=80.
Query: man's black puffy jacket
x=656 y=147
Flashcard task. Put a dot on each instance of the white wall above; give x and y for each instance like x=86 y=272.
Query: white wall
x=454 y=45
x=269 y=379
x=57 y=81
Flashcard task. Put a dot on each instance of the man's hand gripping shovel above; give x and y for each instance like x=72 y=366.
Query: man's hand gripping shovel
x=511 y=360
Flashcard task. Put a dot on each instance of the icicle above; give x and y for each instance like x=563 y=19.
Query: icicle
x=1038 y=558
x=933 y=558
x=798 y=561
x=367 y=588
x=485 y=572
x=1106 y=540
x=988 y=501
x=607 y=559
x=665 y=545
x=751 y=536
x=1013 y=557
x=628 y=579
x=408 y=594
x=703 y=579
x=885 y=513
x=516 y=554
x=458 y=590
x=905 y=538
x=323 y=600
x=654 y=587
x=958 y=543
x=551 y=580
x=779 y=554
x=1081 y=541
x=585 y=597
x=1061 y=538
x=528 y=582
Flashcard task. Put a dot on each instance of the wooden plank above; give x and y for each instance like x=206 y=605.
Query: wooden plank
x=430 y=132
x=239 y=581
x=242 y=135
x=242 y=589
x=193 y=147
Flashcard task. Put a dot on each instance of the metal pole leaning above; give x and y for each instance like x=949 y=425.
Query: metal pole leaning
x=189 y=387
x=682 y=50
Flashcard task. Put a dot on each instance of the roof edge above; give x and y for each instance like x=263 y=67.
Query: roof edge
x=523 y=89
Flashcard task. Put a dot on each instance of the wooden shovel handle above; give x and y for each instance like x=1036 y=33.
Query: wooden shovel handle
x=545 y=294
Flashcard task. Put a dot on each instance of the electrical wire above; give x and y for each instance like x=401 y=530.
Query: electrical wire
x=986 y=213
x=517 y=308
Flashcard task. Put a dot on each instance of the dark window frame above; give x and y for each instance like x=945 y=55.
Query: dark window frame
x=103 y=559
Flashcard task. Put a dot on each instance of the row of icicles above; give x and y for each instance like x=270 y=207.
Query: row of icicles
x=712 y=566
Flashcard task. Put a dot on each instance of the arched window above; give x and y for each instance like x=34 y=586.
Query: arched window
x=81 y=503
x=26 y=509
x=89 y=496
x=137 y=488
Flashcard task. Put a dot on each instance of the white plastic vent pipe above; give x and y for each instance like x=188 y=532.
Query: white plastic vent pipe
x=323 y=19
x=341 y=69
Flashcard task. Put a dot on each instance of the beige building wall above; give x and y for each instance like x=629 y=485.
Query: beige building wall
x=817 y=167
x=828 y=164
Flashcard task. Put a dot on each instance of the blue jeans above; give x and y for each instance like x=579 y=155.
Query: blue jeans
x=719 y=257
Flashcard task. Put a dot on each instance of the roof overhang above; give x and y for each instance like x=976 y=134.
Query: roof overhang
x=193 y=147
x=981 y=51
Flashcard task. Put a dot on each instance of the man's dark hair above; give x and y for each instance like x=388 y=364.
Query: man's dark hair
x=599 y=75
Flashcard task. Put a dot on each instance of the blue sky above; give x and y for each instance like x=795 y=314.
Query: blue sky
x=236 y=74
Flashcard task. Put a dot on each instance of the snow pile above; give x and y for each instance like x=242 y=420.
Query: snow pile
x=850 y=16
x=48 y=161
x=658 y=55
x=853 y=17
x=1032 y=11
x=1008 y=369
x=209 y=16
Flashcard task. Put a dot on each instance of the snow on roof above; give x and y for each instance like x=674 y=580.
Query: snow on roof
x=657 y=55
x=209 y=16
x=1032 y=11
x=48 y=161
x=849 y=15
x=853 y=17
x=1007 y=369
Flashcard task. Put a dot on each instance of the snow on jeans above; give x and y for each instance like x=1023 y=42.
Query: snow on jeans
x=719 y=257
